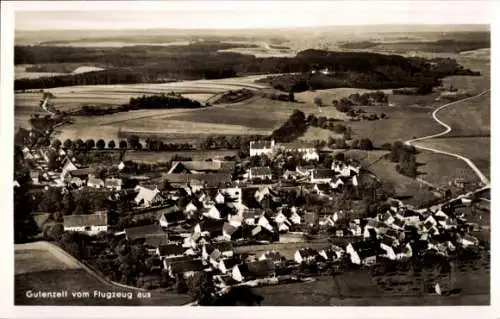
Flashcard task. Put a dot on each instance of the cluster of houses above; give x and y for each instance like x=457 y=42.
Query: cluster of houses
x=197 y=224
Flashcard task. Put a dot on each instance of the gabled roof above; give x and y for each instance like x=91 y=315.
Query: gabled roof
x=260 y=171
x=322 y=173
x=262 y=144
x=182 y=166
x=297 y=145
x=113 y=182
x=211 y=224
x=229 y=229
x=183 y=266
x=81 y=172
x=224 y=210
x=222 y=246
x=171 y=250
x=156 y=240
x=324 y=188
x=98 y=219
x=95 y=181
x=139 y=232
x=307 y=252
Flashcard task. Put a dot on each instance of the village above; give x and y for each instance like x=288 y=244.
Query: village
x=240 y=224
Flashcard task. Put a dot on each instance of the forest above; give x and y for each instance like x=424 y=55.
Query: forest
x=151 y=64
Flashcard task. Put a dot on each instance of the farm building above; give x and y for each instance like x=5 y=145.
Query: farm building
x=261 y=148
x=90 y=224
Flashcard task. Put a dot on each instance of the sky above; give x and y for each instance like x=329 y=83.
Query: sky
x=243 y=14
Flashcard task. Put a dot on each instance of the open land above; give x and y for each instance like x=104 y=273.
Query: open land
x=40 y=266
x=477 y=149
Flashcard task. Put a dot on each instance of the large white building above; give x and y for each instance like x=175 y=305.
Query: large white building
x=91 y=224
x=261 y=147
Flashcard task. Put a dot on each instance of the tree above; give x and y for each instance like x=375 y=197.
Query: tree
x=56 y=144
x=133 y=141
x=54 y=232
x=111 y=144
x=340 y=157
x=318 y=101
x=201 y=288
x=68 y=144
x=53 y=162
x=68 y=203
x=365 y=144
x=100 y=144
x=291 y=96
x=396 y=150
x=79 y=145
x=90 y=143
x=123 y=144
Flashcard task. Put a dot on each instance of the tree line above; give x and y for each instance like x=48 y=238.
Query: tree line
x=150 y=64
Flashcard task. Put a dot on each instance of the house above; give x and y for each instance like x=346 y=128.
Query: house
x=332 y=254
x=251 y=217
x=113 y=184
x=81 y=173
x=321 y=176
x=235 y=220
x=95 y=182
x=76 y=182
x=307 y=150
x=305 y=255
x=255 y=269
x=387 y=244
x=283 y=227
x=262 y=234
x=411 y=216
x=205 y=180
x=311 y=218
x=305 y=170
x=261 y=148
x=141 y=232
x=261 y=193
x=226 y=265
x=156 y=240
x=218 y=211
x=190 y=209
x=68 y=166
x=219 y=198
x=362 y=253
x=403 y=251
x=35 y=176
x=237 y=208
x=281 y=218
x=387 y=218
x=429 y=223
x=321 y=189
x=264 y=222
x=327 y=221
x=345 y=170
x=398 y=224
x=169 y=251
x=231 y=194
x=337 y=185
x=91 y=224
x=148 y=196
x=293 y=216
x=273 y=256
x=467 y=241
x=212 y=227
x=197 y=167
x=228 y=231
x=355 y=229
x=170 y=216
x=260 y=173
x=186 y=268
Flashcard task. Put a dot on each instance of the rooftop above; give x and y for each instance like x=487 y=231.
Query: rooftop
x=97 y=219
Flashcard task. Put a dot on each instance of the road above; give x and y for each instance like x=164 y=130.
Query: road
x=447 y=130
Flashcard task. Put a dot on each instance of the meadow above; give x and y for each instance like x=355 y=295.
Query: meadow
x=477 y=149
x=39 y=268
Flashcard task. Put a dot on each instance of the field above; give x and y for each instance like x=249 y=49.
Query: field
x=367 y=288
x=411 y=190
x=155 y=157
x=40 y=267
x=477 y=149
x=470 y=118
x=403 y=122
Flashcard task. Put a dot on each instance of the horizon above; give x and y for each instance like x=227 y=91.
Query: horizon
x=88 y=16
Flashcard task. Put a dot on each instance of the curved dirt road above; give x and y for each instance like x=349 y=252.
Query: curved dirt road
x=447 y=130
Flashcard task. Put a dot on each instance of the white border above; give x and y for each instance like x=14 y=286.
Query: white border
x=7 y=309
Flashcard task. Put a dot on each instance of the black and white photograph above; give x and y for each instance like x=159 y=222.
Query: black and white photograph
x=293 y=154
